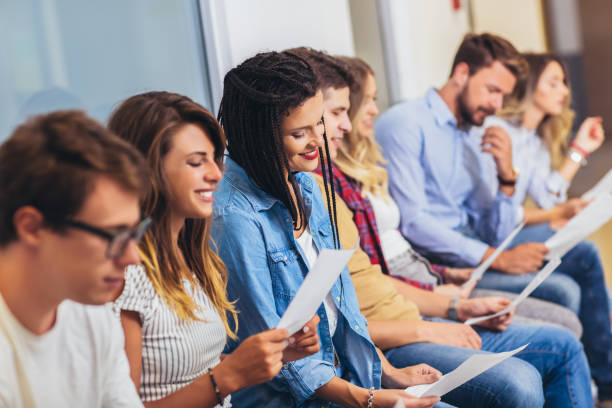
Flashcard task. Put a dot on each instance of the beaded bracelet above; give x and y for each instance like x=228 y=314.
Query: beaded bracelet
x=371 y=397
x=216 y=387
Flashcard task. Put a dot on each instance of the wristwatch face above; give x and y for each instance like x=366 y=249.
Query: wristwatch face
x=576 y=157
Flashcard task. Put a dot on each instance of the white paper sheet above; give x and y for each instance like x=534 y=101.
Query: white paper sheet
x=317 y=284
x=583 y=224
x=470 y=368
x=482 y=268
x=604 y=185
x=535 y=282
x=399 y=404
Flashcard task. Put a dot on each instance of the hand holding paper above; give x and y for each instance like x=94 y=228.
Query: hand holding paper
x=315 y=287
x=535 y=282
x=304 y=342
x=482 y=268
x=589 y=220
x=470 y=368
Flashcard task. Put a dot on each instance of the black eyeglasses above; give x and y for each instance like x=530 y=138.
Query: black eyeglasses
x=118 y=241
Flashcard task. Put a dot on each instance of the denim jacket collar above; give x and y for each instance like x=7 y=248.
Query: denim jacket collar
x=259 y=199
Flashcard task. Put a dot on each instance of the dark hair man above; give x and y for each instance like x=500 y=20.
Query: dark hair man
x=69 y=222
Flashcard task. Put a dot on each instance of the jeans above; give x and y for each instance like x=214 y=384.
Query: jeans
x=553 y=357
x=578 y=283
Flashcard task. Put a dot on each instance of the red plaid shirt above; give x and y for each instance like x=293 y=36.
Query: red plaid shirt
x=365 y=220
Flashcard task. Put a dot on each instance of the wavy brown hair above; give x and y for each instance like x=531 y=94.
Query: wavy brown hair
x=149 y=121
x=554 y=129
x=359 y=156
x=482 y=50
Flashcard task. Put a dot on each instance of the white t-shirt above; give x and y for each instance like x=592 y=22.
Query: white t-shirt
x=388 y=221
x=80 y=362
x=174 y=352
x=310 y=251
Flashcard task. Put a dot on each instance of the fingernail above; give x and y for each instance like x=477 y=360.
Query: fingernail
x=306 y=329
x=291 y=340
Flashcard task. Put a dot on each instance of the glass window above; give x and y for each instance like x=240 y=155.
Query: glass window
x=57 y=54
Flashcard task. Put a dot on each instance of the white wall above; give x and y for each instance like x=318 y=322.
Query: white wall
x=238 y=29
x=420 y=40
x=520 y=21
x=367 y=35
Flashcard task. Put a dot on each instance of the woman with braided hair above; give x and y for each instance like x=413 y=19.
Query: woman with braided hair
x=269 y=224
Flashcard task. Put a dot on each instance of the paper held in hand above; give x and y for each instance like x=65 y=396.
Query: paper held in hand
x=535 y=282
x=470 y=368
x=482 y=268
x=604 y=185
x=583 y=224
x=317 y=284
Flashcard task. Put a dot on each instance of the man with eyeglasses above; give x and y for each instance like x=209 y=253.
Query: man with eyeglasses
x=69 y=225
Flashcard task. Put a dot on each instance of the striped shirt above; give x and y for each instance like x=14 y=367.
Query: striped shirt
x=174 y=352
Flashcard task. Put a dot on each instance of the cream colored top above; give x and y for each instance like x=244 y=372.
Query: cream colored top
x=378 y=298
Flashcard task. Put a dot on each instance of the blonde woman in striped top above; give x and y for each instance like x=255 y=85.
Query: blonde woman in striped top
x=174 y=309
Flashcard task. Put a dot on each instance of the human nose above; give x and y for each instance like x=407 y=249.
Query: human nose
x=345 y=124
x=129 y=256
x=372 y=108
x=565 y=90
x=213 y=173
x=498 y=101
x=316 y=139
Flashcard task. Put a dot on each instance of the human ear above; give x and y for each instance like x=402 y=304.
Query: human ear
x=461 y=74
x=28 y=223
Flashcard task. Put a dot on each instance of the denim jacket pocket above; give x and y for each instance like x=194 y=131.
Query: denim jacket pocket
x=325 y=230
x=284 y=273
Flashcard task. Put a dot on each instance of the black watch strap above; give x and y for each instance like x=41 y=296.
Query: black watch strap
x=452 y=308
x=510 y=183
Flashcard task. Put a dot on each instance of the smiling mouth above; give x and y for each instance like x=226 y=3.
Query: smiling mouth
x=312 y=155
x=206 y=196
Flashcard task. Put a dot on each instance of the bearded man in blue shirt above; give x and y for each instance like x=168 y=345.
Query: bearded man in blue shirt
x=448 y=213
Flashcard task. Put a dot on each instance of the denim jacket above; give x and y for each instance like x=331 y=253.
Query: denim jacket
x=253 y=233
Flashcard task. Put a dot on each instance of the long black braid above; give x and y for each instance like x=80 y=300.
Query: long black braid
x=330 y=192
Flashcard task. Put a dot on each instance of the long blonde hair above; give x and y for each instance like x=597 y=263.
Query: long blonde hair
x=149 y=121
x=359 y=156
x=553 y=129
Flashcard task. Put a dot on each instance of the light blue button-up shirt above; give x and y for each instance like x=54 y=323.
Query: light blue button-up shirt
x=266 y=266
x=435 y=176
x=536 y=179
